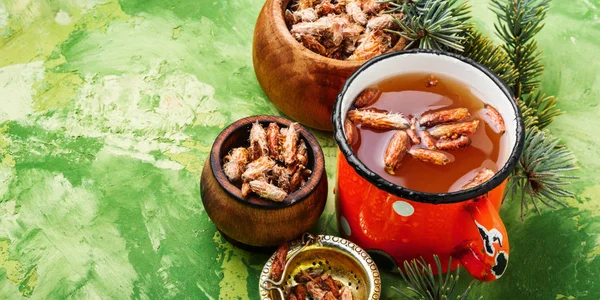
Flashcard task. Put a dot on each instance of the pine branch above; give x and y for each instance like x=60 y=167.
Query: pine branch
x=528 y=115
x=518 y=22
x=423 y=284
x=540 y=172
x=432 y=24
x=482 y=50
x=543 y=107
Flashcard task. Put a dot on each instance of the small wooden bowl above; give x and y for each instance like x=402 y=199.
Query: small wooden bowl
x=300 y=83
x=253 y=221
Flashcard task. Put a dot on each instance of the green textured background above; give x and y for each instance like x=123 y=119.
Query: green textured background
x=108 y=110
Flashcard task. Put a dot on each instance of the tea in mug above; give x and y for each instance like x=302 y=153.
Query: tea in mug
x=426 y=132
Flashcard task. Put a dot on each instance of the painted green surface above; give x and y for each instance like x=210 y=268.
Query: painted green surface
x=108 y=110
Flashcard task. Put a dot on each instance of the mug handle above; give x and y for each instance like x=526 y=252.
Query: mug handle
x=486 y=256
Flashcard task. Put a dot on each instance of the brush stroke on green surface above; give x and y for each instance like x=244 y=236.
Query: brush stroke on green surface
x=109 y=108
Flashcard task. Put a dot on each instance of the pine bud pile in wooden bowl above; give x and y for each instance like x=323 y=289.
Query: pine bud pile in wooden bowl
x=303 y=51
x=264 y=181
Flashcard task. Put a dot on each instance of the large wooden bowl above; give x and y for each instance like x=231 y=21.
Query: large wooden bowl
x=301 y=83
x=253 y=221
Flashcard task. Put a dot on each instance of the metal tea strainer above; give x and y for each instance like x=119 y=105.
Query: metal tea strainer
x=342 y=259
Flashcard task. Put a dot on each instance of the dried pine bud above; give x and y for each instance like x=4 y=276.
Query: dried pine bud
x=306 y=173
x=481 y=177
x=373 y=6
x=315 y=291
x=350 y=132
x=267 y=190
x=296 y=180
x=395 y=151
x=273 y=140
x=325 y=8
x=345 y=293
x=281 y=140
x=307 y=276
x=428 y=140
x=258 y=168
x=292 y=168
x=337 y=36
x=413 y=136
x=318 y=28
x=313 y=44
x=366 y=97
x=495 y=119
x=385 y=21
x=282 y=176
x=377 y=120
x=432 y=81
x=444 y=116
x=306 y=15
x=290 y=144
x=352 y=32
x=431 y=156
x=301 y=153
x=412 y=132
x=327 y=283
x=413 y=122
x=373 y=43
x=245 y=189
x=448 y=144
x=449 y=130
x=235 y=162
x=355 y=12
x=289 y=17
x=258 y=141
x=298 y=292
x=279 y=262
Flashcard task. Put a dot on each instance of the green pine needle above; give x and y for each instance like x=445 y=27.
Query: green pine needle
x=540 y=173
x=432 y=24
x=544 y=107
x=424 y=285
x=518 y=22
x=482 y=50
x=529 y=117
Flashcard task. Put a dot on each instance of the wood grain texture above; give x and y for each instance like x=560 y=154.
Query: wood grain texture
x=299 y=82
x=254 y=221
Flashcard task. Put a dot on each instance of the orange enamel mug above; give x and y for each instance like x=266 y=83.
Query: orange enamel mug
x=396 y=224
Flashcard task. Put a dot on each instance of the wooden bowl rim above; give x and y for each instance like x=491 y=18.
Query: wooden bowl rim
x=300 y=195
x=278 y=9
